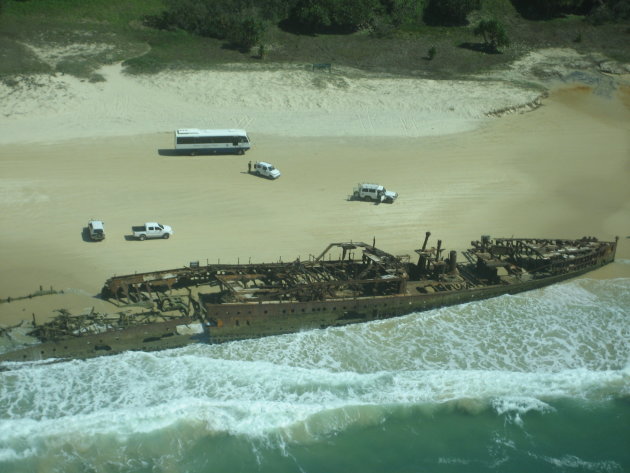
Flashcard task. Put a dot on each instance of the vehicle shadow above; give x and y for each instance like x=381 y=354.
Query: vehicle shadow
x=85 y=236
x=352 y=198
x=182 y=152
x=169 y=152
x=130 y=237
x=259 y=176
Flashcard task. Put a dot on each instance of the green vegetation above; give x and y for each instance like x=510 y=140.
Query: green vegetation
x=596 y=10
x=449 y=12
x=494 y=35
x=332 y=15
x=78 y=36
x=610 y=11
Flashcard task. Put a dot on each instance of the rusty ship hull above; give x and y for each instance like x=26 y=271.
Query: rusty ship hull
x=348 y=283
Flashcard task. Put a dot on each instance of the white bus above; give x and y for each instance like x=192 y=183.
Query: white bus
x=198 y=141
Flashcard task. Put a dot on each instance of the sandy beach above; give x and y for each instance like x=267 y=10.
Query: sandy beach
x=467 y=157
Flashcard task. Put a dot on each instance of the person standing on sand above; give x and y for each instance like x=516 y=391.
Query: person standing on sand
x=249 y=167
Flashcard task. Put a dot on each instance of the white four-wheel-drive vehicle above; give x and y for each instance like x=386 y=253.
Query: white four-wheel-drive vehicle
x=152 y=230
x=96 y=230
x=266 y=170
x=374 y=192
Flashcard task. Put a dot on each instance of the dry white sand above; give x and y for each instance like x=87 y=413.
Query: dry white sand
x=73 y=150
x=287 y=101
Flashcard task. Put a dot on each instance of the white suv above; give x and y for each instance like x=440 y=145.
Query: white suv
x=374 y=192
x=96 y=230
x=266 y=170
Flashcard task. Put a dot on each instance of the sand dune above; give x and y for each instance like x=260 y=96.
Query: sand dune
x=286 y=101
x=73 y=150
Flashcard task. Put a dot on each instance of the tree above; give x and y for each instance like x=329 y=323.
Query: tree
x=238 y=21
x=610 y=11
x=333 y=15
x=494 y=35
x=311 y=15
x=246 y=33
x=544 y=9
x=402 y=12
x=449 y=12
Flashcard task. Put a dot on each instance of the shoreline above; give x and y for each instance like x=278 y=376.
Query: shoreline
x=524 y=174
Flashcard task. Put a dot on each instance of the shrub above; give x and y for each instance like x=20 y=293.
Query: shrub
x=544 y=9
x=382 y=27
x=333 y=15
x=402 y=12
x=214 y=18
x=610 y=12
x=246 y=33
x=449 y=12
x=494 y=35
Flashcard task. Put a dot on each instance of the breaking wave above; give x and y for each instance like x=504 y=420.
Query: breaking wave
x=509 y=358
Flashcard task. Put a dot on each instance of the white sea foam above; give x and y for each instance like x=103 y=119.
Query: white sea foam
x=511 y=355
x=570 y=462
x=582 y=324
x=10 y=454
x=254 y=398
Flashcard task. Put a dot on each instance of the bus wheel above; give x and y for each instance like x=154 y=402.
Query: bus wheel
x=241 y=152
x=192 y=153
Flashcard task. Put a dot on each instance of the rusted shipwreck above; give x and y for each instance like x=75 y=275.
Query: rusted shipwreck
x=347 y=283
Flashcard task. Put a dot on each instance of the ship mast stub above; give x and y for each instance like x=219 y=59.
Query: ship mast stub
x=430 y=260
x=345 y=247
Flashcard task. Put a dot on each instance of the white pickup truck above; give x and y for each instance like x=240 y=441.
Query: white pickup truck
x=152 y=230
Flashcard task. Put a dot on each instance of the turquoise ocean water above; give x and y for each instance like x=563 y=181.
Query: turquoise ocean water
x=538 y=382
